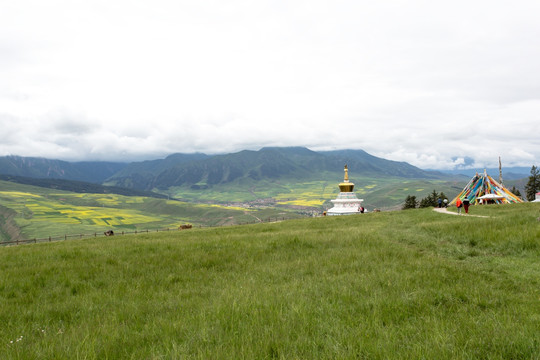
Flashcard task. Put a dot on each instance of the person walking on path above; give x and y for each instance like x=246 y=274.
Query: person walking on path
x=459 y=204
x=466 y=203
x=439 y=202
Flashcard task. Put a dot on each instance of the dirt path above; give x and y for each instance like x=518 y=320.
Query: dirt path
x=445 y=211
x=247 y=213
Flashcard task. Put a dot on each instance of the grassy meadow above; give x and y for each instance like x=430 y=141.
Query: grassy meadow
x=411 y=284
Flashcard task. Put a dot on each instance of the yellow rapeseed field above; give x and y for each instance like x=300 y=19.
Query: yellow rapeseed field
x=18 y=194
x=39 y=208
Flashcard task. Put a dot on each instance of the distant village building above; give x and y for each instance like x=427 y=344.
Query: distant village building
x=346 y=203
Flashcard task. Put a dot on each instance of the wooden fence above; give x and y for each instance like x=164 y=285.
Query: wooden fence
x=96 y=234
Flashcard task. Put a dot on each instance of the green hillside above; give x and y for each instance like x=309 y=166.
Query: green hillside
x=140 y=175
x=290 y=177
x=204 y=171
x=267 y=164
x=409 y=284
x=283 y=178
x=90 y=171
x=28 y=212
x=378 y=193
x=77 y=186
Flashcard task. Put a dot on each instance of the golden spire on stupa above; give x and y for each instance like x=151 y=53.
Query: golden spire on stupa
x=346 y=185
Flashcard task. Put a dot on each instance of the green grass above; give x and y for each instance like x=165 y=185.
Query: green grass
x=399 y=285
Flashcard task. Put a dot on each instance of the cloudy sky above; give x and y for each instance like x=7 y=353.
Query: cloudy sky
x=427 y=82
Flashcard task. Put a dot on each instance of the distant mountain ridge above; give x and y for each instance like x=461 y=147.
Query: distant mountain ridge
x=267 y=163
x=78 y=186
x=33 y=167
x=202 y=171
x=140 y=175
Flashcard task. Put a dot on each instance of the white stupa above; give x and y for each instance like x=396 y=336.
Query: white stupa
x=346 y=203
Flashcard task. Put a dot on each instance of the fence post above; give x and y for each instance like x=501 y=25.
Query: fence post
x=65 y=237
x=95 y=234
x=122 y=233
x=17 y=241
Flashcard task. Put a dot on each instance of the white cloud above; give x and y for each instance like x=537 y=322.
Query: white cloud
x=423 y=82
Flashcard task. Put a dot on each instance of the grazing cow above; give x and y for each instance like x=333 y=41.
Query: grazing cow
x=109 y=233
x=184 y=227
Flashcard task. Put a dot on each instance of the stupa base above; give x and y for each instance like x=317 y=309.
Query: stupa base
x=339 y=213
x=346 y=204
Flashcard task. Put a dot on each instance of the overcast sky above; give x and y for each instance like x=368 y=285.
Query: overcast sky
x=429 y=82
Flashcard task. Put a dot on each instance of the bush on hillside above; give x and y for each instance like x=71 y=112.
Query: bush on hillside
x=410 y=202
x=432 y=199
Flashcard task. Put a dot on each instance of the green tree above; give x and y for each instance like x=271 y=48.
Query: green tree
x=533 y=185
x=443 y=196
x=410 y=202
x=432 y=199
x=516 y=192
x=425 y=202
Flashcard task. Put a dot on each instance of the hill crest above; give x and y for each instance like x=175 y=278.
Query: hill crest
x=270 y=163
x=202 y=170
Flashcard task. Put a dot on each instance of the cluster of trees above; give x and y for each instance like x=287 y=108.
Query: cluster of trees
x=516 y=192
x=533 y=185
x=431 y=200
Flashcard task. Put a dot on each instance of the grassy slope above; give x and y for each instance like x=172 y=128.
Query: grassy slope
x=43 y=212
x=406 y=284
x=381 y=193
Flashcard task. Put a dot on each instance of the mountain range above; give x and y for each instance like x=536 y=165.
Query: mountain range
x=33 y=167
x=202 y=171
